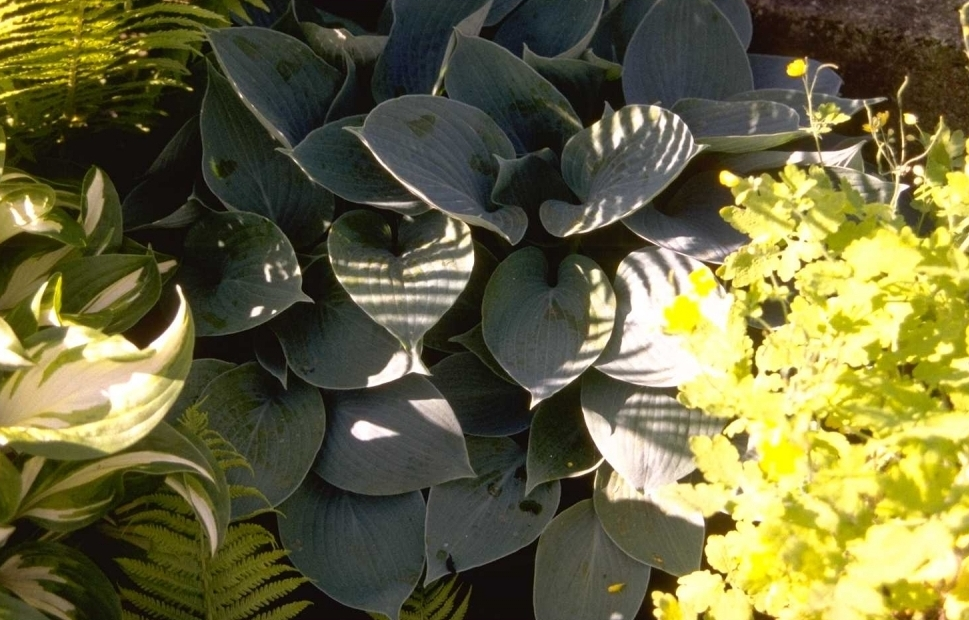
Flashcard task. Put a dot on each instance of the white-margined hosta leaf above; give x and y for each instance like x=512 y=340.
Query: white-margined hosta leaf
x=617 y=166
x=405 y=279
x=89 y=394
x=391 y=439
x=581 y=573
x=538 y=25
x=13 y=608
x=443 y=152
x=58 y=580
x=101 y=213
x=474 y=521
x=118 y=289
x=546 y=334
x=651 y=532
x=643 y=432
x=531 y=111
x=239 y=271
x=684 y=48
x=25 y=266
x=640 y=351
x=12 y=353
x=30 y=207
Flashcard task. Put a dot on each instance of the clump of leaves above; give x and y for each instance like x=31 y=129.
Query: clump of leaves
x=855 y=404
x=445 y=599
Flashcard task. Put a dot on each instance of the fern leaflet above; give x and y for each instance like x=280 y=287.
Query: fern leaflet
x=445 y=599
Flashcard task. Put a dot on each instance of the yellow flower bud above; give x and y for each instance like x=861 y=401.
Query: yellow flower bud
x=910 y=119
x=729 y=179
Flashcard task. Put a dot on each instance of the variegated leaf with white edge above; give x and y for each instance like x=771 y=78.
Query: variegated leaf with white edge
x=89 y=394
x=12 y=353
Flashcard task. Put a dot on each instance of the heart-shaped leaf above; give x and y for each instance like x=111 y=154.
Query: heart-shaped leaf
x=465 y=313
x=690 y=222
x=485 y=404
x=581 y=573
x=442 y=151
x=671 y=541
x=405 y=279
x=640 y=351
x=739 y=126
x=364 y=552
x=770 y=71
x=642 y=432
x=338 y=161
x=243 y=168
x=704 y=58
x=392 y=439
x=286 y=85
x=531 y=111
x=545 y=335
x=538 y=24
x=239 y=271
x=315 y=336
x=279 y=430
x=202 y=372
x=475 y=521
x=419 y=41
x=559 y=445
x=617 y=166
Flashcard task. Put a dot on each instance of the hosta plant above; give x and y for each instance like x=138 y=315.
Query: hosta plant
x=80 y=405
x=406 y=247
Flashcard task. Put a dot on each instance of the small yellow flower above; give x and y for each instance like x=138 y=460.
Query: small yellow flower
x=877 y=122
x=682 y=316
x=797 y=67
x=910 y=119
x=729 y=179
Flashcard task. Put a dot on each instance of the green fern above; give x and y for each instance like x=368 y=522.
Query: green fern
x=445 y=599
x=66 y=64
x=174 y=576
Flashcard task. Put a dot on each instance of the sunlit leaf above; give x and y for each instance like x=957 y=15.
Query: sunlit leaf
x=617 y=166
x=739 y=126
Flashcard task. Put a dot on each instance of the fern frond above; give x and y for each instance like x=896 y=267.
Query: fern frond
x=445 y=599
x=72 y=63
x=173 y=574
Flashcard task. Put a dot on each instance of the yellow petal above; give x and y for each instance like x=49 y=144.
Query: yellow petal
x=797 y=68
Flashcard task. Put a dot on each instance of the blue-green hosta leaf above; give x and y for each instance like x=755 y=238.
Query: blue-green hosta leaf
x=684 y=48
x=539 y=25
x=617 y=26
x=872 y=188
x=640 y=351
x=121 y=288
x=617 y=166
x=270 y=354
x=690 y=222
x=770 y=71
x=337 y=160
x=100 y=213
x=475 y=521
x=643 y=432
x=443 y=152
x=314 y=338
x=739 y=126
x=12 y=608
x=337 y=45
x=243 y=168
x=202 y=372
x=279 y=430
x=473 y=340
x=581 y=573
x=546 y=335
x=465 y=313
x=485 y=404
x=364 y=552
x=64 y=496
x=797 y=99
x=559 y=445
x=499 y=10
x=286 y=85
x=30 y=207
x=669 y=540
x=12 y=353
x=404 y=281
x=419 y=40
x=59 y=580
x=392 y=439
x=581 y=80
x=89 y=394
x=239 y=271
x=529 y=109
x=847 y=156
x=738 y=14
